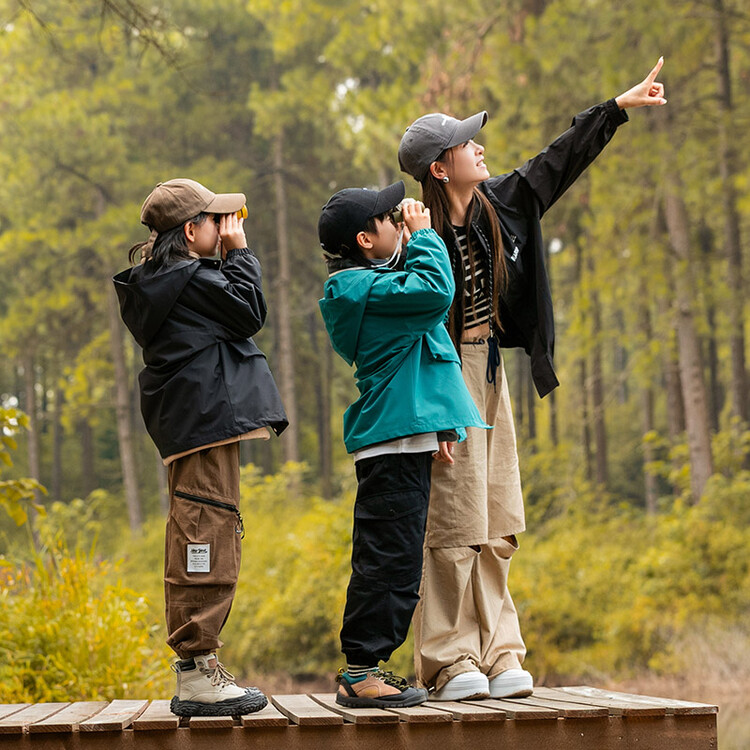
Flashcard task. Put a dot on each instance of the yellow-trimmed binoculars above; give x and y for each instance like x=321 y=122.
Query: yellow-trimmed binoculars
x=241 y=214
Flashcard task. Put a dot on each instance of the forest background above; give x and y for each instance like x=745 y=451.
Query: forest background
x=637 y=559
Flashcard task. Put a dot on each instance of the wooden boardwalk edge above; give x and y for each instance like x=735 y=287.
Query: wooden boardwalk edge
x=565 y=718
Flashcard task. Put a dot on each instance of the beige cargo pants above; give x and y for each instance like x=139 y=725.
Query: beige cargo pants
x=466 y=620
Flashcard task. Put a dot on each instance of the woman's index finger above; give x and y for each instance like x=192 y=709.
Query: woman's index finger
x=655 y=70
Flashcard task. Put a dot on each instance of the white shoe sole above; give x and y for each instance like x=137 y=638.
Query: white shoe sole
x=517 y=685
x=463 y=687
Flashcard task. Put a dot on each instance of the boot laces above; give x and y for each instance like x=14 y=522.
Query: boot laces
x=220 y=675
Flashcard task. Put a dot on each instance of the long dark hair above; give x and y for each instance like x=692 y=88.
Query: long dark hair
x=167 y=248
x=435 y=197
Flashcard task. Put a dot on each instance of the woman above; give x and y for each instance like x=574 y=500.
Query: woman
x=467 y=638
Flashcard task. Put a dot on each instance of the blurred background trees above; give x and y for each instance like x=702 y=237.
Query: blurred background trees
x=635 y=468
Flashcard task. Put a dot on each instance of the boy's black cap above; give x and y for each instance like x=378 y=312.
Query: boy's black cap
x=347 y=212
x=426 y=138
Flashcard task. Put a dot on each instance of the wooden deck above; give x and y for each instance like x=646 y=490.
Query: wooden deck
x=566 y=718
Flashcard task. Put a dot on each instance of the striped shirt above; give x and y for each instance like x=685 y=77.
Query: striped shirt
x=476 y=289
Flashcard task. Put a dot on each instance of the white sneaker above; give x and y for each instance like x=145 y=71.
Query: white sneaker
x=205 y=688
x=513 y=683
x=461 y=687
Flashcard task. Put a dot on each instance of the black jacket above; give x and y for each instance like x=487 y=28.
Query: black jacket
x=520 y=199
x=205 y=379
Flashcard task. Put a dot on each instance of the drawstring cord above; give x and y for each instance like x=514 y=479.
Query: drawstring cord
x=493 y=360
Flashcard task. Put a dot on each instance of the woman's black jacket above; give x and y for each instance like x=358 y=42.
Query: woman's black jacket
x=205 y=380
x=521 y=198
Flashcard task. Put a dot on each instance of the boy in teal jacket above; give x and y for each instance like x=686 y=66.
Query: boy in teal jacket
x=412 y=403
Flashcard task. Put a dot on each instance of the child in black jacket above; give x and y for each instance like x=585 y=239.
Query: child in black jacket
x=205 y=387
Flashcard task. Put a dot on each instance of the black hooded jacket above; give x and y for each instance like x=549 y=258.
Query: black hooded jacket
x=520 y=199
x=205 y=380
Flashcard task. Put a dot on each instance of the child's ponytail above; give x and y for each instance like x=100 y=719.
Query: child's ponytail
x=164 y=248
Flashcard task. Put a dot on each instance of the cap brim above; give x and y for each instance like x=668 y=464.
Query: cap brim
x=467 y=129
x=389 y=198
x=226 y=203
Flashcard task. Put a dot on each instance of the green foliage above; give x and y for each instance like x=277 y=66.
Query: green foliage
x=70 y=630
x=16 y=495
x=609 y=591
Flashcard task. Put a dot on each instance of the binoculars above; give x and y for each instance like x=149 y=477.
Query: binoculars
x=397 y=213
x=241 y=214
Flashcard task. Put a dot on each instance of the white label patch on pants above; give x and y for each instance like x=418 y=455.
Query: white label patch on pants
x=199 y=558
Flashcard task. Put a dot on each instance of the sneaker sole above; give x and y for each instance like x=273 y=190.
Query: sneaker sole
x=234 y=707
x=379 y=702
x=461 y=696
x=522 y=693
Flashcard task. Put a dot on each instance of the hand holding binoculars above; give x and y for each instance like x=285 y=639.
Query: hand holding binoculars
x=398 y=213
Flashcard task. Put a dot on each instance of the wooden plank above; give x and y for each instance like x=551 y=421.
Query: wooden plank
x=677 y=707
x=565 y=708
x=157 y=716
x=424 y=714
x=555 y=694
x=6 y=709
x=471 y=711
x=628 y=707
x=269 y=716
x=69 y=718
x=355 y=715
x=18 y=722
x=211 y=722
x=517 y=709
x=304 y=711
x=115 y=717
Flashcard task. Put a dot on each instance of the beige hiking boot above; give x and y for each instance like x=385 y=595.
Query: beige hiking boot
x=205 y=688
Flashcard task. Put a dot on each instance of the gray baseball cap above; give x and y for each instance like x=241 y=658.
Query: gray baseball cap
x=426 y=138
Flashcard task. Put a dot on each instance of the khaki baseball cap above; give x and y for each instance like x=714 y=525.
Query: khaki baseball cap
x=173 y=202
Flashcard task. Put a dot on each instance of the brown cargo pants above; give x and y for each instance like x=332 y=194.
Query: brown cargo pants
x=203 y=548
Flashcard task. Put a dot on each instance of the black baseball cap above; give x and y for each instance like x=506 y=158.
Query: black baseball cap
x=347 y=212
x=426 y=138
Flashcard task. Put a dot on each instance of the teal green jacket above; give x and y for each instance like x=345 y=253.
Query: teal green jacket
x=390 y=324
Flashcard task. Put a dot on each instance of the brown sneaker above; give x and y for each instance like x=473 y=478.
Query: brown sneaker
x=378 y=690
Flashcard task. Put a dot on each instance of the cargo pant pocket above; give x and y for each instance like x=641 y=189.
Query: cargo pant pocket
x=203 y=541
x=388 y=536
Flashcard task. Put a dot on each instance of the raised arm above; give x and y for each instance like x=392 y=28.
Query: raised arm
x=551 y=172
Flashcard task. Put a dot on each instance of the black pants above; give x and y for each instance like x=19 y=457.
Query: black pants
x=390 y=514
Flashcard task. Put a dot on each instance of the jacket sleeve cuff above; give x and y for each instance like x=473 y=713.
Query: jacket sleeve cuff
x=617 y=115
x=238 y=252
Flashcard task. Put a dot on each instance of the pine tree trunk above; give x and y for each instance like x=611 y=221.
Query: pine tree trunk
x=691 y=368
x=88 y=471
x=57 y=445
x=530 y=403
x=728 y=167
x=553 y=430
x=588 y=455
x=30 y=406
x=161 y=481
x=519 y=412
x=597 y=389
x=283 y=307
x=122 y=414
x=323 y=399
x=650 y=488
